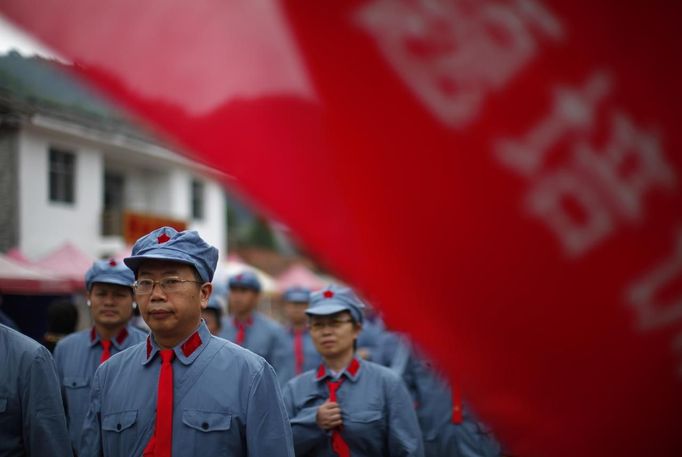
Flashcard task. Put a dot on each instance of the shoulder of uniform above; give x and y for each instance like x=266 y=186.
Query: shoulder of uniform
x=235 y=350
x=74 y=338
x=137 y=333
x=267 y=321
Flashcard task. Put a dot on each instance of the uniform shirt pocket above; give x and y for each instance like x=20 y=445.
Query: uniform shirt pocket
x=365 y=417
x=75 y=382
x=118 y=422
x=3 y=405
x=206 y=421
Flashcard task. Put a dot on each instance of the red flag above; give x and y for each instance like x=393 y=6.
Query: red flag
x=500 y=176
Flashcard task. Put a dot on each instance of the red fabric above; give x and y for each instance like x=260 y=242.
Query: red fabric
x=106 y=350
x=457 y=413
x=339 y=445
x=122 y=335
x=298 y=350
x=433 y=153
x=161 y=443
x=191 y=345
x=241 y=330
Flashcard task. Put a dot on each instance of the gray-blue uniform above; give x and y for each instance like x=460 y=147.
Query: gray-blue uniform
x=226 y=401
x=266 y=338
x=433 y=398
x=32 y=420
x=77 y=357
x=310 y=358
x=377 y=410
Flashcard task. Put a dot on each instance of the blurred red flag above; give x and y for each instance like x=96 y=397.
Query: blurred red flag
x=500 y=176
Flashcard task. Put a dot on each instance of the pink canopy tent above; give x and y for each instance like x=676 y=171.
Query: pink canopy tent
x=18 y=256
x=16 y=278
x=299 y=275
x=67 y=262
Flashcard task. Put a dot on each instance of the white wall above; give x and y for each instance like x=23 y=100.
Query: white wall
x=45 y=225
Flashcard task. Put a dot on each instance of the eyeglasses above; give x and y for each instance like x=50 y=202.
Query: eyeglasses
x=145 y=286
x=334 y=324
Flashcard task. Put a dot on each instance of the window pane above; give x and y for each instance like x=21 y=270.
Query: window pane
x=62 y=169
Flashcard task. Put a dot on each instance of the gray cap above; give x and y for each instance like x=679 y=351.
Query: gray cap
x=334 y=299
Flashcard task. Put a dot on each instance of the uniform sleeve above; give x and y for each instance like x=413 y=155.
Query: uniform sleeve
x=404 y=435
x=91 y=433
x=307 y=434
x=44 y=421
x=268 y=433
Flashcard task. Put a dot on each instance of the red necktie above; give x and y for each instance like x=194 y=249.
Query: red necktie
x=339 y=445
x=106 y=350
x=457 y=413
x=161 y=443
x=298 y=350
x=241 y=330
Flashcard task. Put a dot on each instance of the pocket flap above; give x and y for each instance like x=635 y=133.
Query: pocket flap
x=117 y=422
x=206 y=421
x=3 y=405
x=365 y=416
x=75 y=382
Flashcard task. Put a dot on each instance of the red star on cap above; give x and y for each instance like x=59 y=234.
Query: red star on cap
x=328 y=294
x=112 y=263
x=162 y=238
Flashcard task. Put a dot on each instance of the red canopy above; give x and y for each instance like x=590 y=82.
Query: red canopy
x=16 y=278
x=299 y=275
x=67 y=262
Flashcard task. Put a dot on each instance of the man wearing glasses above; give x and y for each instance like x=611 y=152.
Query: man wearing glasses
x=348 y=406
x=183 y=391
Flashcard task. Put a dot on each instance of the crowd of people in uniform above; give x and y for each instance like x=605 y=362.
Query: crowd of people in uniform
x=199 y=382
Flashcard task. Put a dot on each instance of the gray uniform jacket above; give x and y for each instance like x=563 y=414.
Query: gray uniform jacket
x=77 y=357
x=266 y=338
x=226 y=402
x=32 y=420
x=377 y=412
x=433 y=396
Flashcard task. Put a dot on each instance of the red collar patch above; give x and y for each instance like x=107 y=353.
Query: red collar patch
x=191 y=345
x=122 y=335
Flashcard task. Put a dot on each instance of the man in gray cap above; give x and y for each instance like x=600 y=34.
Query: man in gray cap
x=110 y=298
x=182 y=392
x=32 y=420
x=348 y=406
x=253 y=330
x=305 y=356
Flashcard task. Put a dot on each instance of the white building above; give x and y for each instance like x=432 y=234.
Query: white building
x=89 y=177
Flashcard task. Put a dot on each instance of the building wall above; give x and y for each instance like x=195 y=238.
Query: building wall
x=153 y=187
x=46 y=225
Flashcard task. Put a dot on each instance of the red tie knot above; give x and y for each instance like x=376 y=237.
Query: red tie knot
x=106 y=344
x=167 y=355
